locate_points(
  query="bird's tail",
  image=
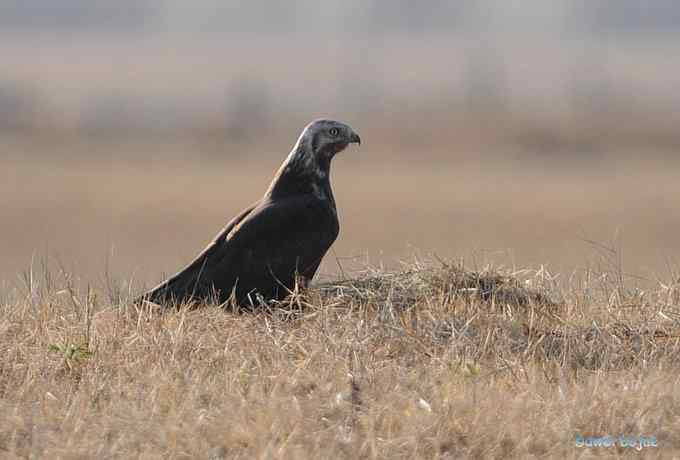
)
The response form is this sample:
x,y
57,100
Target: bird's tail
x,y
181,289
160,295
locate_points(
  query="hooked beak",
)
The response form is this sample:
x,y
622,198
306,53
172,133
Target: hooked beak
x,y
354,138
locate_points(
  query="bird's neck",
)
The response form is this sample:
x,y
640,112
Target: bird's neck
x,y
302,173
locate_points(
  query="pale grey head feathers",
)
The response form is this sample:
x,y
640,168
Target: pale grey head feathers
x,y
319,142
327,137
307,167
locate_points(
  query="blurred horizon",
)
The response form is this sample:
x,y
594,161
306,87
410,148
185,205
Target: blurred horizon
x,y
260,17
545,71
509,127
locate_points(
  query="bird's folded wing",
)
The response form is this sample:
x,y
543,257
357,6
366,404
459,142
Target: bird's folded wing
x,y
271,240
277,238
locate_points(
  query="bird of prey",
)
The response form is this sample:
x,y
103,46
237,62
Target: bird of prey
x,y
278,242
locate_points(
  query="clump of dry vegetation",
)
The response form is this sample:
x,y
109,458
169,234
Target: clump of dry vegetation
x,y
435,361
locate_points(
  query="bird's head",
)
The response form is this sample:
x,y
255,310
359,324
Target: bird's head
x,y
325,138
308,164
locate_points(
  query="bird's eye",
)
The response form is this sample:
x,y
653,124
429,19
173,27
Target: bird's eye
x,y
334,132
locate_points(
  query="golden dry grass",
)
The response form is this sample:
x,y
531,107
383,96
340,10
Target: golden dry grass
x,y
432,361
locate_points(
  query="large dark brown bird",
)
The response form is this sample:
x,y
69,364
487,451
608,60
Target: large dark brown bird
x,y
278,242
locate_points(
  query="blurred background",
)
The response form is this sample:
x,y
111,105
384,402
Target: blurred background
x,y
535,133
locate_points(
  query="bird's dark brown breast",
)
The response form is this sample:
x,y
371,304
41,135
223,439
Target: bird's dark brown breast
x,y
300,242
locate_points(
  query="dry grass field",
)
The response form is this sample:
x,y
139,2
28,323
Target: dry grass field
x,y
431,361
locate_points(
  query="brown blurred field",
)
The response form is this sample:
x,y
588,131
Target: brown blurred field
x,y
142,209
129,154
